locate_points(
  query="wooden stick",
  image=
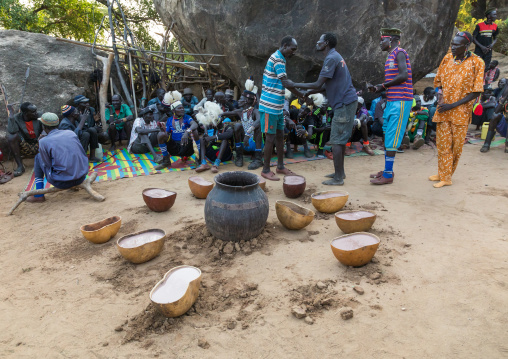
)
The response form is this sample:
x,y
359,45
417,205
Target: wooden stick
x,y
103,92
86,185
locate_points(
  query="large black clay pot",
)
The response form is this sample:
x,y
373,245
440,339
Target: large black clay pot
x,y
236,208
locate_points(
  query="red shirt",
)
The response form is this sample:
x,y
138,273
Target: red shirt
x,y
30,128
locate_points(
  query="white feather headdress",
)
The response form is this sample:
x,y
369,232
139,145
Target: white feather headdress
x,y
287,94
209,114
318,99
249,86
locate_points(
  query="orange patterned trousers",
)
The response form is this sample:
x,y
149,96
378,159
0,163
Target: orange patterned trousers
x,y
449,141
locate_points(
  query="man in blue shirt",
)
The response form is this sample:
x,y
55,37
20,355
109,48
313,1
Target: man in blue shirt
x,y
336,81
175,140
189,101
271,105
61,158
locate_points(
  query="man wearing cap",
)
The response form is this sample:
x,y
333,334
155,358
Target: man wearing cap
x,y
176,141
459,80
73,121
83,105
119,118
399,94
220,99
208,97
485,36
23,134
144,134
61,158
189,101
230,98
335,80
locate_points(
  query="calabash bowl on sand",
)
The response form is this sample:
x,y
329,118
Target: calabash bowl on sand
x,y
356,249
102,231
175,294
293,186
141,246
329,201
262,183
158,199
292,215
355,221
200,187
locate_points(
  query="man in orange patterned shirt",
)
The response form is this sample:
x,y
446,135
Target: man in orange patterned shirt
x,y
460,80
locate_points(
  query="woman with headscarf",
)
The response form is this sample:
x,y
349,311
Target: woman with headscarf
x,y
460,81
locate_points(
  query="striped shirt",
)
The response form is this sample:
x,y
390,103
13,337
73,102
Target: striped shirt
x,y
403,91
272,93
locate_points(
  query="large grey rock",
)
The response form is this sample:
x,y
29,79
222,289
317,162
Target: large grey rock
x,y
247,32
58,72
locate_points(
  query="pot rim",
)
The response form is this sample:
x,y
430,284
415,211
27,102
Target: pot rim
x,y
140,232
150,188
216,179
101,228
351,234
336,215
344,194
168,273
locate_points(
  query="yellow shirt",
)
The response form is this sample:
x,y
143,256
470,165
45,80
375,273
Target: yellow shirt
x,y
457,81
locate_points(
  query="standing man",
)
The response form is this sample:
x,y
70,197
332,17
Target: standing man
x,y
271,105
484,36
399,94
335,80
459,80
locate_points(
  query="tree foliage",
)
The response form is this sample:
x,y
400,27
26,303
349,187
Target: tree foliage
x,y
79,19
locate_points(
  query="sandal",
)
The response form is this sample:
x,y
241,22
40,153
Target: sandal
x,y
18,173
270,176
6,177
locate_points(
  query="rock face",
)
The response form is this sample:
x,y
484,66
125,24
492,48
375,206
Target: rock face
x,y
58,72
247,32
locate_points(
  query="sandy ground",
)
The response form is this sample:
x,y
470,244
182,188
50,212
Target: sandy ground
x,y
437,287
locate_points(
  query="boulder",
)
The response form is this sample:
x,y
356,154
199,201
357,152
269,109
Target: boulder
x,y
247,32
58,72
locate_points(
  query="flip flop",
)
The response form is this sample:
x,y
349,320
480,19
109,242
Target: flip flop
x,y
285,171
270,176
6,177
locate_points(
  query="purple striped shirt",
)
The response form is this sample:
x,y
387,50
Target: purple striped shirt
x,y
403,91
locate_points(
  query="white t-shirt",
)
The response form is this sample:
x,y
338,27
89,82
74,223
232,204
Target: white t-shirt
x,y
139,122
428,103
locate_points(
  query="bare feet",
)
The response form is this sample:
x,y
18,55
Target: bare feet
x,y
442,184
434,178
334,182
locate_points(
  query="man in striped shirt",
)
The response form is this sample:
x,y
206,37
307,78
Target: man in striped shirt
x,y
271,105
399,93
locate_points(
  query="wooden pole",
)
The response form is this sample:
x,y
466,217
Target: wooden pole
x,y
132,85
103,92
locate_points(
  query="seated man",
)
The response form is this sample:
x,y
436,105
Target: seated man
x,y
360,129
296,104
417,131
216,145
230,99
492,73
377,125
220,98
315,129
119,118
208,97
24,131
497,123
75,122
159,96
485,112
61,158
189,101
144,134
175,141
93,120
500,87
248,136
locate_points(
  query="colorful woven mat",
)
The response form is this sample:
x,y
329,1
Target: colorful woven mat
x,y
123,164
497,141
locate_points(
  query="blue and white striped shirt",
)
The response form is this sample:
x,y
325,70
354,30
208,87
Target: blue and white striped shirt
x,y
272,93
